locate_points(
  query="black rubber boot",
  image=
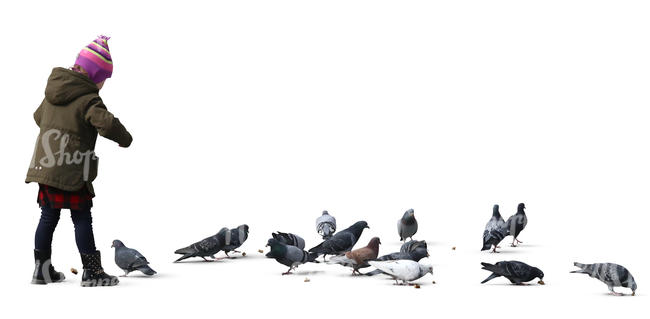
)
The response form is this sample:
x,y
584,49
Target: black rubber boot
x,y
94,274
44,272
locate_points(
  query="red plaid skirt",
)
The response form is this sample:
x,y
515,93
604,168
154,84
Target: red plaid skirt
x,y
57,198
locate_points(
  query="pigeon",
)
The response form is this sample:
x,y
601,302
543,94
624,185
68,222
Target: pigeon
x,y
326,225
516,223
412,250
129,259
206,247
612,275
290,256
517,272
342,241
235,238
404,270
358,258
495,231
289,239
407,226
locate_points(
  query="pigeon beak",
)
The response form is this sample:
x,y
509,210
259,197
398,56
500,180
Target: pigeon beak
x,y
112,245
428,255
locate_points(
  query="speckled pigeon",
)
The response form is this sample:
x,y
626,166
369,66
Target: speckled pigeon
x,y
206,247
495,231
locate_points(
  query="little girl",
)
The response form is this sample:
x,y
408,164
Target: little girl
x,y
64,163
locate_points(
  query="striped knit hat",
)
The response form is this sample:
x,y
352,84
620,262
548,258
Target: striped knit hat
x,y
96,59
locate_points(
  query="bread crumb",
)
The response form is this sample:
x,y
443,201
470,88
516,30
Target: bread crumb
x,y
260,251
417,286
453,248
243,254
307,280
433,282
74,271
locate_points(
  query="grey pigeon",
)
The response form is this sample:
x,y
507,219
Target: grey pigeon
x,y
516,223
326,225
129,259
342,241
612,275
235,238
206,247
290,256
412,250
407,226
289,239
404,270
516,271
495,231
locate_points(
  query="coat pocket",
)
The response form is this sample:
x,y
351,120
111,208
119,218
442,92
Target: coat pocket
x,y
90,174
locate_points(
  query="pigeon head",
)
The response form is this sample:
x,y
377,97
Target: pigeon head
x,y
633,287
278,249
419,253
243,227
409,217
412,245
117,244
426,269
360,225
539,274
520,208
325,212
374,243
495,210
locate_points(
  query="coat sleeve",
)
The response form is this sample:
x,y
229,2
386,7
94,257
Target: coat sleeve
x,y
107,124
38,114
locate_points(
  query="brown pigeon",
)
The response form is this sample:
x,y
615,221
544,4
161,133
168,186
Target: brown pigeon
x,y
358,258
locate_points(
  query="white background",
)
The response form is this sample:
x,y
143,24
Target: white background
x,y
268,112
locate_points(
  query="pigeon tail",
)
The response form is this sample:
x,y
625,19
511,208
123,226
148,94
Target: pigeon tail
x,y
312,257
374,272
186,250
490,267
492,276
581,270
147,270
318,249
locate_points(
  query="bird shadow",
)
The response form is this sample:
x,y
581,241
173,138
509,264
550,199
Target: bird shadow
x,y
201,261
307,272
140,276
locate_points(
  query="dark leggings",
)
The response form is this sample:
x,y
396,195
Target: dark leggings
x,y
83,229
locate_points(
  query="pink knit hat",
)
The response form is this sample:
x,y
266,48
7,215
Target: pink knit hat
x,y
96,59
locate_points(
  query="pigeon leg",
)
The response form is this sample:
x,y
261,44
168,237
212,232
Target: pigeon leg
x,y
288,271
125,273
204,258
611,289
519,241
513,242
494,250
